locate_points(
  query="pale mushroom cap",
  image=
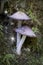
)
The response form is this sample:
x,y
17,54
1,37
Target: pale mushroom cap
x,y
25,30
20,16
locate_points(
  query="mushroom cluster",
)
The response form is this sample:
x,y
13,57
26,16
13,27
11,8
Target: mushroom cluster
x,y
21,30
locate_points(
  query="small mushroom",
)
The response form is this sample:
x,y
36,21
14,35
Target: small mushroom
x,y
19,16
25,31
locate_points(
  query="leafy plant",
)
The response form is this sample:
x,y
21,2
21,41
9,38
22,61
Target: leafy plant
x,y
33,17
7,58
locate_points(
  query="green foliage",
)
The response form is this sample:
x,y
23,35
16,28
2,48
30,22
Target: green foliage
x,y
33,17
35,29
26,59
1,33
7,58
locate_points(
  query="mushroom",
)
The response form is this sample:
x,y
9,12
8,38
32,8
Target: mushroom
x,y
19,16
25,31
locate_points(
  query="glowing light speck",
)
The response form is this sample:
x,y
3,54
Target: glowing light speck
x,y
12,38
5,12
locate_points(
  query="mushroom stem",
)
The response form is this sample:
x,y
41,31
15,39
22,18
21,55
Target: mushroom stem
x,y
19,46
18,35
19,24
